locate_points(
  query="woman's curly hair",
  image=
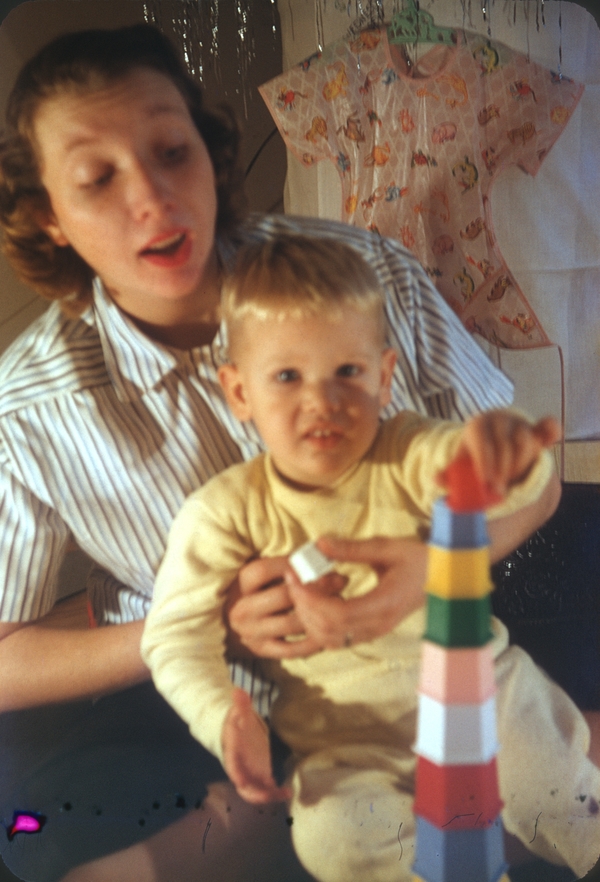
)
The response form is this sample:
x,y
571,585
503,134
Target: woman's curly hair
x,y
84,60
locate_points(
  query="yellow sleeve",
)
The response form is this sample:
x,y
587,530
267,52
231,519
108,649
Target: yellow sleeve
x,y
184,636
421,448
415,450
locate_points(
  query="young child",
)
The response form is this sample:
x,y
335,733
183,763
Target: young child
x,y
309,364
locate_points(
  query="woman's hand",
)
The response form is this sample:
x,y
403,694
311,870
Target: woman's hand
x,y
260,613
263,609
332,622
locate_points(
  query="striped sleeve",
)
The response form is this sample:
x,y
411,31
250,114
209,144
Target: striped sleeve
x,y
112,601
34,540
440,366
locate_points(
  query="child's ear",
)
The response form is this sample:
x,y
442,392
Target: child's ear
x,y
388,363
232,384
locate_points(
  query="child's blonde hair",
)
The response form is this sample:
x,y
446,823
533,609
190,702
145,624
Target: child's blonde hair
x,y
294,276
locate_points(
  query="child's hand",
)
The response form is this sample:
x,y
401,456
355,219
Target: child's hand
x,y
503,447
247,755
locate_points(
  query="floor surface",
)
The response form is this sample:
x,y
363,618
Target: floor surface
x,y
6,875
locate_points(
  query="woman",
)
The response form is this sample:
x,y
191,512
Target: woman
x,y
120,201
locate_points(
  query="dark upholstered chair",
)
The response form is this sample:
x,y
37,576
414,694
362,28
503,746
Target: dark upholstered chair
x,y
548,595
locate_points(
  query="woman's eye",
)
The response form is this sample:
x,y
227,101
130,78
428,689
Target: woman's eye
x,y
348,370
102,179
97,180
175,154
287,376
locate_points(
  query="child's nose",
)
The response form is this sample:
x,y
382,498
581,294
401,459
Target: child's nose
x,y
322,397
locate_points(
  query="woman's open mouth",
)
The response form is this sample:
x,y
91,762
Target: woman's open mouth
x,y
168,251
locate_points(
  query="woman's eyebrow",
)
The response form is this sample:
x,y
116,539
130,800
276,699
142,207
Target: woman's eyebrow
x,y
157,108
152,111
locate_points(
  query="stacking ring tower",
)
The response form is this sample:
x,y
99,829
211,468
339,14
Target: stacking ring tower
x,y
459,834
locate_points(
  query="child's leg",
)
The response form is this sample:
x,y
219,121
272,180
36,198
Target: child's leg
x,y
592,718
352,817
550,787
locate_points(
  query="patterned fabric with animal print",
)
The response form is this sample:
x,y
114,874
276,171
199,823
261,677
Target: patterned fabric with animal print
x,y
418,144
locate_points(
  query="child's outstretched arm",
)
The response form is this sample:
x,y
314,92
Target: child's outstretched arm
x,y
504,446
247,754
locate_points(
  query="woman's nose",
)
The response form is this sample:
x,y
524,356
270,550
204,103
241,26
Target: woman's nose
x,y
148,193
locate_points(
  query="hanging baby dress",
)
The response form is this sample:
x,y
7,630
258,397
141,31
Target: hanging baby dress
x,y
418,146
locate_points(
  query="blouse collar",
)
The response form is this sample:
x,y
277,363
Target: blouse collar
x,y
135,362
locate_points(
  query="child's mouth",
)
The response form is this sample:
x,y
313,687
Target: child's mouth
x,y
323,438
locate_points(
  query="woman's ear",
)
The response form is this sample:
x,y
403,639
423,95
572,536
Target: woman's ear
x,y
232,383
48,223
388,363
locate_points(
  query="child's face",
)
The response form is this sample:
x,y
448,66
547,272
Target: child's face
x,y
314,388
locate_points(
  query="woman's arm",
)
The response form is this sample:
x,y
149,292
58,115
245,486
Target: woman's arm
x,y
59,658
508,533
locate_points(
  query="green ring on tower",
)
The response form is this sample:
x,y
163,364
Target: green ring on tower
x,y
458,622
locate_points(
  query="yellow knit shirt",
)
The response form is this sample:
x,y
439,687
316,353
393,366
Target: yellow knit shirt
x,y
357,694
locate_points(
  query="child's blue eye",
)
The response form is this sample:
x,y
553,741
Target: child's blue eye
x,y
348,370
287,376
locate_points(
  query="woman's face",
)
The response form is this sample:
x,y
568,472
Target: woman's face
x,y
132,190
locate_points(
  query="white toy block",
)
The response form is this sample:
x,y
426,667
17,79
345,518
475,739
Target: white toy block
x,y
309,563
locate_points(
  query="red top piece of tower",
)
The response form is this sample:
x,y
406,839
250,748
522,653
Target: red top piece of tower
x,y
465,491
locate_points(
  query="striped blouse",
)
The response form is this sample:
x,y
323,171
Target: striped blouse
x,y
104,432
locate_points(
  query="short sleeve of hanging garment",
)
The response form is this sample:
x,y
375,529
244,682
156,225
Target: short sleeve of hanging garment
x,y
418,146
342,97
